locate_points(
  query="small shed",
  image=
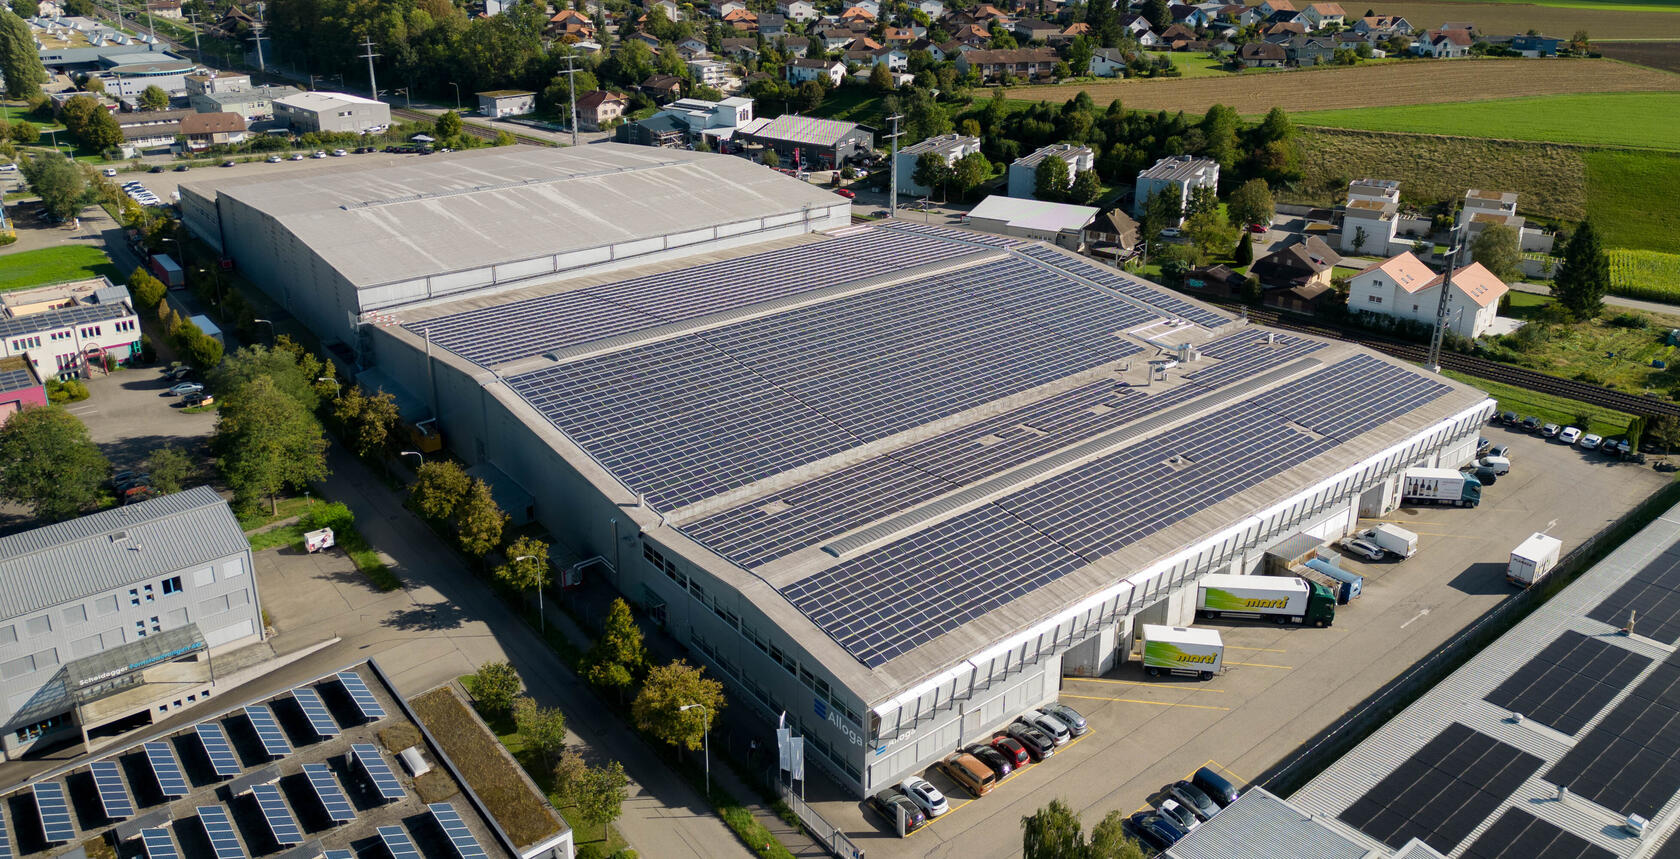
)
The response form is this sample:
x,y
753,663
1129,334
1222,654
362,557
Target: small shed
x,y
498,103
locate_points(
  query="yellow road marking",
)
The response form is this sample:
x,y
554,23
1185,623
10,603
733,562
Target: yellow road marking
x,y
1261,649
1139,701
1147,685
1260,665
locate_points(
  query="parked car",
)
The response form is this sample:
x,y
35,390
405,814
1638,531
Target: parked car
x,y
202,398
1038,744
1012,749
297,156
156,168
992,758
1153,830
1067,716
1619,444
1497,464
1484,476
1590,441
1482,445
1506,418
319,153
1257,229
1499,450
178,372
125,477
136,493
1050,725
1216,786
1569,435
889,801
182,168
1194,798
1364,548
1178,814
1170,233
1530,424
339,153
185,388
847,193
925,796
1549,431
879,213
275,159
108,172
228,163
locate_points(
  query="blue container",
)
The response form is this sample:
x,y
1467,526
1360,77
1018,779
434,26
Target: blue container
x,y
1355,583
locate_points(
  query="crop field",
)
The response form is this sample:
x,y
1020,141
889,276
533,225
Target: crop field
x,y
1651,275
1400,83
1657,55
1650,120
1638,19
1632,198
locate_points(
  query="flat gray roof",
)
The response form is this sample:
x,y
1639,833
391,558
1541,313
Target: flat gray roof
x,y
1065,151
1177,168
1261,826
466,210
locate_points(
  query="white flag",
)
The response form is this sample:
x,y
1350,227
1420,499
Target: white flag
x,y
784,742
797,753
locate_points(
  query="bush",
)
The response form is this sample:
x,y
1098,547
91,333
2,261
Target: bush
x,y
148,352
591,851
1630,320
333,515
71,391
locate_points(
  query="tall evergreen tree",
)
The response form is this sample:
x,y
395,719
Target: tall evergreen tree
x,y
20,65
1583,279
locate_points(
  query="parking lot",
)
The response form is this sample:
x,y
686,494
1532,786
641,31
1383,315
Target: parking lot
x,y
1282,684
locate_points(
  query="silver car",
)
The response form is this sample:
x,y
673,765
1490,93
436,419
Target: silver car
x,y
1049,724
1067,716
1365,549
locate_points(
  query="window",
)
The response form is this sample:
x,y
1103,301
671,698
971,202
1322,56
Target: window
x,y
156,627
133,596
75,614
40,625
139,629
8,635
150,597
106,605
17,668
232,569
206,576
1374,299
34,731
172,585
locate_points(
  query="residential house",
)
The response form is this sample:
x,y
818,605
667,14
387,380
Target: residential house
x,y
234,23
672,11
1232,13
864,44
572,26
721,8
687,120
204,130
1535,46
598,109
1379,27
1112,235
1023,171
662,88
898,36
1069,33
646,38
695,47
59,329
1311,299
1177,175
934,9
1018,63
798,10
771,25
1263,55
1216,282
1370,216
934,50
870,6
799,71
1466,26
1193,17
1177,36
741,48
948,147
986,12
1443,44
859,14
1034,30
498,103
1307,262
1108,63
743,20
1484,208
716,74
1307,51
1404,288
1269,8
1284,30
1322,15
149,131
1134,24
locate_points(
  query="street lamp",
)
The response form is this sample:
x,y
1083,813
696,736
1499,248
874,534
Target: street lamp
x,y
705,742
416,454
457,95
408,101
542,622
270,324
338,390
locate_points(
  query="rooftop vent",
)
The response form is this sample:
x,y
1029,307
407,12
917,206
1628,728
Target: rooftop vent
x,y
119,536
1634,825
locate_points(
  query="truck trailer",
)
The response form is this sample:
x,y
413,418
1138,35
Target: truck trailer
x,y
1393,539
1280,599
1182,650
1532,561
1345,585
1439,486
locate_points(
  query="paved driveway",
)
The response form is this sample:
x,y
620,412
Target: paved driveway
x,y
130,414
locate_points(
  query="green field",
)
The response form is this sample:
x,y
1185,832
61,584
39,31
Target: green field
x,y
1549,409
1651,275
54,265
1649,120
1634,199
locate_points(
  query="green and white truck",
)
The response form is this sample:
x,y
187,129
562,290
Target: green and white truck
x,y
1280,599
1182,650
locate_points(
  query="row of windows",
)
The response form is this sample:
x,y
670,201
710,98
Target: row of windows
x,y
42,624
171,585
19,343
34,341
92,330
31,732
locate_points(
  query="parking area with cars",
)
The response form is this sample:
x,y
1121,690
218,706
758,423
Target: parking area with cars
x,y
1281,684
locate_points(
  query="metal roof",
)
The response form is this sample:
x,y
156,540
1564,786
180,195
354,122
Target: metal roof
x,y
1033,214
64,317
115,548
1178,168
801,129
1065,151
1261,826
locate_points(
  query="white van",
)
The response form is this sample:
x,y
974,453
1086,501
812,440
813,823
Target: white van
x,y
1500,465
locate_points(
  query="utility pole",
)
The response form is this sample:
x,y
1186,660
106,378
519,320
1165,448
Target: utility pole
x,y
571,89
257,36
151,28
373,86
892,192
197,51
1434,363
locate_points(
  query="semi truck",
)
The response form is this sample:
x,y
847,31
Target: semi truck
x,y
1393,539
1280,599
1182,650
1439,486
1532,561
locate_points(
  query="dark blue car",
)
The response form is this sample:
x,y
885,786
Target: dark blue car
x,y
1154,830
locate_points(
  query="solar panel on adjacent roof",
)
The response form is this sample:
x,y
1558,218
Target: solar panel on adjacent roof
x,y
339,854
384,780
362,695
315,710
113,791
219,828
268,730
1626,762
1248,352
158,843
1569,681
56,827
397,841
1132,287
216,745
1352,397
1518,834
170,779
339,809
1654,592
466,844
280,820
5,837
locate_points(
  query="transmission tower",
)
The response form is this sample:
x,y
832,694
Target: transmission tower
x,y
373,86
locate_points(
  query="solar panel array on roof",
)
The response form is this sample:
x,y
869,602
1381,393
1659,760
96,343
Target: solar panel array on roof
x,y
378,771
218,827
1248,352
5,837
520,329
1654,592
1443,792
113,791
215,740
339,854
455,829
64,317
970,236
369,706
1352,397
315,710
1518,834
54,810
337,805
281,823
397,841
1626,762
1568,681
171,781
1127,285
158,844
268,730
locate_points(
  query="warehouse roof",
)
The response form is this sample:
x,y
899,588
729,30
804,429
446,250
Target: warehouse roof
x,y
1261,826
1033,214
460,211
993,445
69,560
799,129
1563,699
319,101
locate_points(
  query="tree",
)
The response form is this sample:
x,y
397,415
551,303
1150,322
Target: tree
x,y
527,564
932,172
1203,199
147,290
448,125
1052,832
61,184
769,158
1050,179
201,350
266,442
171,469
439,488
809,94
25,132
1244,254
569,774
495,685
600,794
367,421
20,65
881,79
1663,430
1499,250
969,171
1583,279
478,521
26,9
292,370
101,131
154,98
93,84
658,708
1580,43
1086,188
542,728
618,655
1209,233
1251,203
1360,239
1110,841
48,462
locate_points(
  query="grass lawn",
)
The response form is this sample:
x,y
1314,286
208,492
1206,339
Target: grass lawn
x,y
54,265
1552,410
1194,65
1630,199
1608,119
851,104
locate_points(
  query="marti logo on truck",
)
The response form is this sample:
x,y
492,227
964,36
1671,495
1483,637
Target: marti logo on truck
x,y
1254,603
1196,657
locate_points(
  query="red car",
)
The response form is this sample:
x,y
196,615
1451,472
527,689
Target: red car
x,y
1257,228
846,192
1011,750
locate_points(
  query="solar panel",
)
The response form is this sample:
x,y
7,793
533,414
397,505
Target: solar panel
x,y
339,854
1654,592
466,844
5,837
1352,397
1248,352
1626,762
384,780
113,791
397,841
268,730
158,843
56,827
362,695
1134,288
219,828
315,710
280,820
339,809
1518,834
216,745
1569,681
170,779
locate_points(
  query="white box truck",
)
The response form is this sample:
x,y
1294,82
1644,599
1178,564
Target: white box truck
x,y
1439,486
1394,539
1281,599
1183,650
1532,561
